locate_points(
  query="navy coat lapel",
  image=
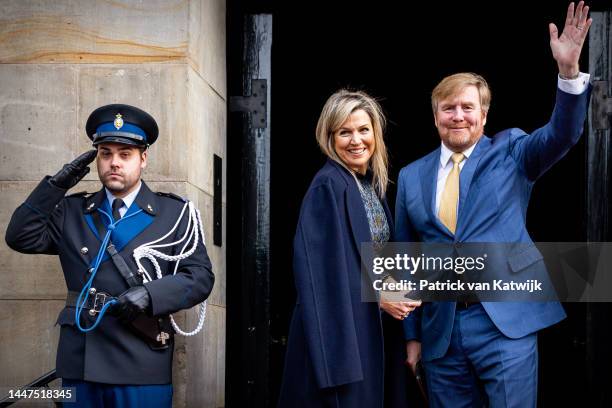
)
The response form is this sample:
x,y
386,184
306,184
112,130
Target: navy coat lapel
x,y
356,211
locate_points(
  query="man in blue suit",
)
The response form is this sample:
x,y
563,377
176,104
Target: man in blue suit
x,y
476,189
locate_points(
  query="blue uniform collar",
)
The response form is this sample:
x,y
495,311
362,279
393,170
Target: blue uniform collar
x,y
127,200
146,199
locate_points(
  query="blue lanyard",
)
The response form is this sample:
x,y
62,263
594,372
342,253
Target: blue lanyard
x,y
84,295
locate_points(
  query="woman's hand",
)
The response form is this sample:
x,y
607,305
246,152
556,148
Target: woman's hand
x,y
399,310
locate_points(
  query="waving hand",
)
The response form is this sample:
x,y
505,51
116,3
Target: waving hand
x,y
566,47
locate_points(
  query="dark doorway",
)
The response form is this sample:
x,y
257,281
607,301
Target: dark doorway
x,y
398,51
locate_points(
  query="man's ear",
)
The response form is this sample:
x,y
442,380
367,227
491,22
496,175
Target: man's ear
x,y
484,118
143,158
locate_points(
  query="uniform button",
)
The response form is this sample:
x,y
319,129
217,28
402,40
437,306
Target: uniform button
x,y
84,250
92,291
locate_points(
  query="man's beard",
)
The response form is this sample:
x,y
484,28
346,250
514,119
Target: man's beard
x,y
460,142
114,185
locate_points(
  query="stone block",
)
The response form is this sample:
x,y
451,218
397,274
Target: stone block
x,y
98,31
25,276
206,133
204,202
160,90
29,339
207,42
206,361
37,116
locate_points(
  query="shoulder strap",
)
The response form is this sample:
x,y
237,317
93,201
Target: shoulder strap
x,y
124,269
172,195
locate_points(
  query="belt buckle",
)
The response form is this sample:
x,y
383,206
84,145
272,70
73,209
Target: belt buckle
x,y
99,302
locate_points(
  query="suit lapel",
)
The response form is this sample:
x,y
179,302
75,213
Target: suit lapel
x,y
467,175
429,180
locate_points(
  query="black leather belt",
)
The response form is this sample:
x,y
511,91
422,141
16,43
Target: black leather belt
x,y
465,305
95,301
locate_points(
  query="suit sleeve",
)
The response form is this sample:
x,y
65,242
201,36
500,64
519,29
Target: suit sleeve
x,y
405,233
191,285
536,153
36,225
322,283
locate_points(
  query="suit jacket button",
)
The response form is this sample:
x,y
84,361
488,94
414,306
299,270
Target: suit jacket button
x,y
84,250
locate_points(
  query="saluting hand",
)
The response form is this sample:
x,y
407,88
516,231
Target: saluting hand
x,y
566,48
71,173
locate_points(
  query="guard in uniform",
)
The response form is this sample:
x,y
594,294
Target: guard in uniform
x,y
123,358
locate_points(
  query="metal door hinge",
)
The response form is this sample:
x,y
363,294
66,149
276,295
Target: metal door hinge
x,y
256,104
602,105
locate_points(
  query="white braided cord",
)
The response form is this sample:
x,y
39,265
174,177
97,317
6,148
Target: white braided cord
x,y
149,252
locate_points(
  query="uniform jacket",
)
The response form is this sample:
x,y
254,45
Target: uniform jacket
x,y
51,223
495,187
335,354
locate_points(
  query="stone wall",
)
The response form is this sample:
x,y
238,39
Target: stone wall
x,y
61,59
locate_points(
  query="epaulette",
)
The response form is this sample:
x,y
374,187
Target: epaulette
x,y
172,195
80,194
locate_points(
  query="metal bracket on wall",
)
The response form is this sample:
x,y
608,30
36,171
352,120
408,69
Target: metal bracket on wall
x,y
256,104
602,105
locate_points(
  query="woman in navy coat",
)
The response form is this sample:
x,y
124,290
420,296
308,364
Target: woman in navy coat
x,y
337,355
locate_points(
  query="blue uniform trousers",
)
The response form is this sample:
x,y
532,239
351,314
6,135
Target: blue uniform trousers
x,y
483,367
98,395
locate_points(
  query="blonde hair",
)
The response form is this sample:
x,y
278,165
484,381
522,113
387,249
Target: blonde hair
x,y
453,84
335,112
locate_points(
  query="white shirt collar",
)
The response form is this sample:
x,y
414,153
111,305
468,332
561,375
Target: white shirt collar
x,y
446,153
127,200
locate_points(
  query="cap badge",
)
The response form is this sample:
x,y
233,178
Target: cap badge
x,y
118,121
